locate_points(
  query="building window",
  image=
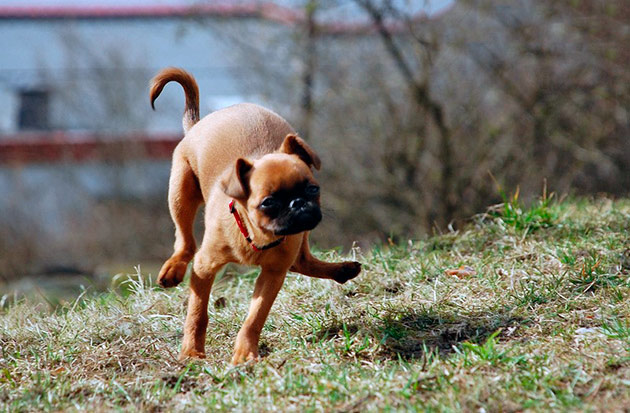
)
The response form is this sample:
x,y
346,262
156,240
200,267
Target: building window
x,y
34,110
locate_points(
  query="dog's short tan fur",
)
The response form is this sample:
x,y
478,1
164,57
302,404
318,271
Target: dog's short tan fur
x,y
245,153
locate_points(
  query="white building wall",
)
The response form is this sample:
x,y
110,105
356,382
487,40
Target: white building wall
x,y
85,57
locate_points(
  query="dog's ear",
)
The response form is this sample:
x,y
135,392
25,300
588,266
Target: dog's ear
x,y
235,183
295,145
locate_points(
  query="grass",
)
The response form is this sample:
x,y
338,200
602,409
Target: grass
x,y
542,324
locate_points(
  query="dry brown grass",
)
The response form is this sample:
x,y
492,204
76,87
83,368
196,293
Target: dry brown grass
x,y
542,325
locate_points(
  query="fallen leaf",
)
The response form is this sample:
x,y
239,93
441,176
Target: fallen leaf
x,y
461,272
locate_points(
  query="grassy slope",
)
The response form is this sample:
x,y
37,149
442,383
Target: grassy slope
x,y
543,324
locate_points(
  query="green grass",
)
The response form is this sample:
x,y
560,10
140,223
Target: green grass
x,y
541,325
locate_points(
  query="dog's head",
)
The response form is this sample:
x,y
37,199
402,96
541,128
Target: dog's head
x,y
278,189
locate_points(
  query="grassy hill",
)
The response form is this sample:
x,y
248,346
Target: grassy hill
x,y
538,320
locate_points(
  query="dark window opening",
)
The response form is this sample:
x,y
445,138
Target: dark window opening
x,y
34,110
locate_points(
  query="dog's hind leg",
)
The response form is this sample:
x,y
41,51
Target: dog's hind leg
x,y
184,198
196,325
307,264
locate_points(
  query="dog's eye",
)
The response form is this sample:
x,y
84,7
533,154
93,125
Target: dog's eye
x,y
312,190
270,203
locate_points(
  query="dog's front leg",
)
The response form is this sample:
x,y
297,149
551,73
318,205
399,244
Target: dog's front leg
x,y
201,279
266,289
307,264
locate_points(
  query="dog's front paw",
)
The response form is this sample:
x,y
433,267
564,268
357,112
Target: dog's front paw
x,y
191,354
348,271
172,273
246,349
243,356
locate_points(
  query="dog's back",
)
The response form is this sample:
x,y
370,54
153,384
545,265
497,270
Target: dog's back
x,y
243,130
213,143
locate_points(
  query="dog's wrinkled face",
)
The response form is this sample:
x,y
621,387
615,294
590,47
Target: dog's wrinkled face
x,y
284,195
279,189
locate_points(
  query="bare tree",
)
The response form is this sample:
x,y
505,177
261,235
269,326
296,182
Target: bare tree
x,y
411,113
557,85
418,81
308,74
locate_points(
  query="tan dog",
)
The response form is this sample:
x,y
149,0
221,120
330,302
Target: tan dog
x,y
254,175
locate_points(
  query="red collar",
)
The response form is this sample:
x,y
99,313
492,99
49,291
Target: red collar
x,y
241,226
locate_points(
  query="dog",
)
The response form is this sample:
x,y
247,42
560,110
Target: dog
x,y
254,174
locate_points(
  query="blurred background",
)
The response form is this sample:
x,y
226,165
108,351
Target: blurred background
x,y
419,109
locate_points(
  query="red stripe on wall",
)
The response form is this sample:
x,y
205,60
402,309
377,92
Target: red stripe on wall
x,y
59,147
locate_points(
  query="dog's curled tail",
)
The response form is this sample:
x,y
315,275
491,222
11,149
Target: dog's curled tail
x,y
188,82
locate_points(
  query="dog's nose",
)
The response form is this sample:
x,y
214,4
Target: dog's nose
x,y
297,203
